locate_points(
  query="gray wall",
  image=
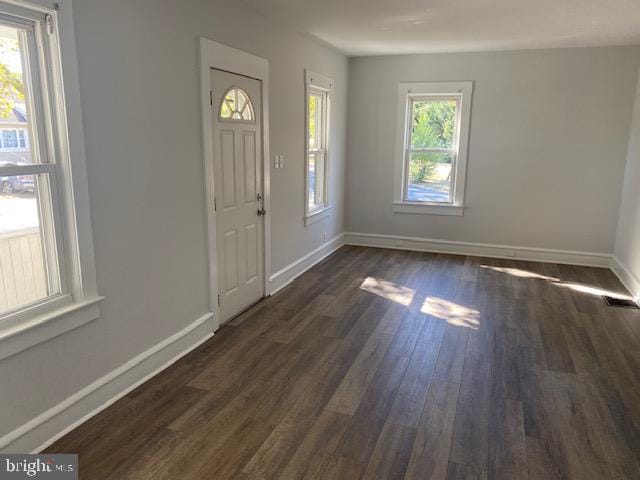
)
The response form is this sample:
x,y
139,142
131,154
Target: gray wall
x,y
139,74
547,147
628,240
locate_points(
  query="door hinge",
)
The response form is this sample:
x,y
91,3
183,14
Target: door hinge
x,y
218,299
211,97
215,204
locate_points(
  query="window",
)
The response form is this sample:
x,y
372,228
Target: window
x,y
46,264
12,139
318,101
236,106
433,132
9,139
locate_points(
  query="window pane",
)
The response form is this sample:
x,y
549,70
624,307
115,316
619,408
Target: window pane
x,y
312,179
430,177
14,99
316,179
433,124
319,179
314,107
23,266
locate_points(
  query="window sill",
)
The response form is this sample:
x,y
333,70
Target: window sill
x,y
317,216
22,335
428,208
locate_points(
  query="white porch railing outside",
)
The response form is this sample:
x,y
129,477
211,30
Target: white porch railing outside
x,y
23,278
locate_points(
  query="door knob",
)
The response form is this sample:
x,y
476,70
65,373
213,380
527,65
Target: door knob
x,y
261,211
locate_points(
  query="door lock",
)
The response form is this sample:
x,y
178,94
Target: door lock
x,y
261,211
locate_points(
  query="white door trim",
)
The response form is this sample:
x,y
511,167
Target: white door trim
x,y
222,57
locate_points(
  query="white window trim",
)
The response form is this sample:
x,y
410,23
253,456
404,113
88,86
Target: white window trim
x,y
405,92
317,81
78,303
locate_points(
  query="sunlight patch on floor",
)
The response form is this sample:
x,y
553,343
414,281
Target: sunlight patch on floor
x,y
454,314
389,290
595,291
516,272
576,287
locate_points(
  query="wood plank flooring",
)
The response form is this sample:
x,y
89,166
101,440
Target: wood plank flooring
x,y
384,364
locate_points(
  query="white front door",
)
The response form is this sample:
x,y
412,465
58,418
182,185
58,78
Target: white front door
x,y
237,158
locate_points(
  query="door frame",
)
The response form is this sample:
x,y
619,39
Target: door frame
x,y
223,57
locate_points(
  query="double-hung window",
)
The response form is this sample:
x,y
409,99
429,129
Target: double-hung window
x,y
318,101
433,131
46,259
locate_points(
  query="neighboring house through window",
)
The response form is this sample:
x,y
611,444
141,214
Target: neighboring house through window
x,y
14,143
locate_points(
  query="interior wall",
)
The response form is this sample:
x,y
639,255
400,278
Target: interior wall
x,y
627,249
547,146
139,76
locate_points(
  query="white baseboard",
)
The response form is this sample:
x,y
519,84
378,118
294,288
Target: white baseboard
x,y
288,274
46,428
628,279
478,249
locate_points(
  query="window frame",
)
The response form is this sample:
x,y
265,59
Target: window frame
x,y
321,85
57,121
408,93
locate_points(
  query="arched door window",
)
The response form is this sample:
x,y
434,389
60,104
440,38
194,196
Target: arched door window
x,y
236,106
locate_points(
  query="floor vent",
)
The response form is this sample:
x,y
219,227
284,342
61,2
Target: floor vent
x,y
620,302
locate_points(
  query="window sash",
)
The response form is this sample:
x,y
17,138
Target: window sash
x,y
35,45
319,150
408,150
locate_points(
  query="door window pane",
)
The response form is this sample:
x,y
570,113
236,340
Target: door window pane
x,y
236,105
430,176
433,124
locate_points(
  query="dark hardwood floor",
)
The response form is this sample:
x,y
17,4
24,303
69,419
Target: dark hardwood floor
x,y
390,364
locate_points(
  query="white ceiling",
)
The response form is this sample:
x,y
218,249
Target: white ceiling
x,y
380,27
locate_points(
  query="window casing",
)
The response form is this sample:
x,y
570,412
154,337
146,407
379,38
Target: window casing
x,y
47,271
432,144
318,90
